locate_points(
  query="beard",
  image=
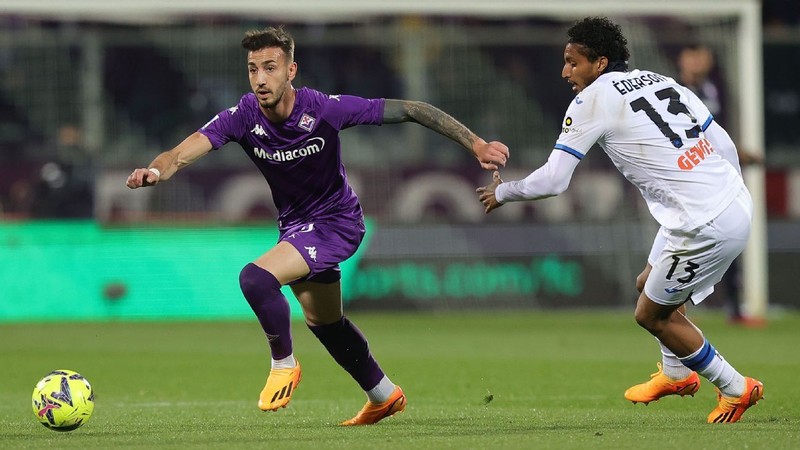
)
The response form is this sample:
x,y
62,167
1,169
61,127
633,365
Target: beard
x,y
268,104
271,103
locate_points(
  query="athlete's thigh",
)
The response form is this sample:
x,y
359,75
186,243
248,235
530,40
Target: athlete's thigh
x,y
687,266
652,311
691,263
284,262
659,242
321,302
641,279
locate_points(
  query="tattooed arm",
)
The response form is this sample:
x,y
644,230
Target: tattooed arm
x,y
491,155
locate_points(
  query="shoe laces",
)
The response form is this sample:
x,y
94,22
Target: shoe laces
x,y
653,375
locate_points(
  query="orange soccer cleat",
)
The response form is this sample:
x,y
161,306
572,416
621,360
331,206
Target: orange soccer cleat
x,y
280,386
730,409
374,412
660,386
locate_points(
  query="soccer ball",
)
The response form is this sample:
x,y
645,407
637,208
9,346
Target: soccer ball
x,y
63,400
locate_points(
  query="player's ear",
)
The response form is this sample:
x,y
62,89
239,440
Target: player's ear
x,y
292,71
602,63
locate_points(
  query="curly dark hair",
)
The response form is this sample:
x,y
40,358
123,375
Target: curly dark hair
x,y
269,37
600,37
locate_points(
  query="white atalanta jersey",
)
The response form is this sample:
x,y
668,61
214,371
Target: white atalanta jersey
x,y
652,128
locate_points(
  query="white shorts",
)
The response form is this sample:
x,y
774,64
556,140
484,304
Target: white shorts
x,y
687,265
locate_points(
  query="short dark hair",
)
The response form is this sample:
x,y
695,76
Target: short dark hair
x,y
600,37
269,37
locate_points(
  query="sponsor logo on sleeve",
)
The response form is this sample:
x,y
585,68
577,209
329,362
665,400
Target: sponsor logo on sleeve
x,y
568,128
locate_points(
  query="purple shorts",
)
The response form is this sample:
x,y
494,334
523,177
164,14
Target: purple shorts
x,y
324,245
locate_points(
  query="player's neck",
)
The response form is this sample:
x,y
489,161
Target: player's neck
x,y
280,112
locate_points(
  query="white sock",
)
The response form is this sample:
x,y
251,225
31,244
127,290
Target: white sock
x,y
382,391
719,372
284,363
672,367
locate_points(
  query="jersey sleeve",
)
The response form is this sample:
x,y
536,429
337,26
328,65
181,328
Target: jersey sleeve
x,y
584,124
345,111
228,125
547,181
698,108
723,144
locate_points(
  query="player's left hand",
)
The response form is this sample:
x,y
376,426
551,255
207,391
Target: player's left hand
x,y
491,155
486,193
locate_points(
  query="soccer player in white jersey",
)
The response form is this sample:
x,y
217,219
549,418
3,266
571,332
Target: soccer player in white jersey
x,y
663,140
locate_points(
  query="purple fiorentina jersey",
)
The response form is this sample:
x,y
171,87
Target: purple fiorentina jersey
x,y
301,157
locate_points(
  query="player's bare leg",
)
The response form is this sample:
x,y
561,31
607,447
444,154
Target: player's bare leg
x,y
673,329
672,377
322,306
669,326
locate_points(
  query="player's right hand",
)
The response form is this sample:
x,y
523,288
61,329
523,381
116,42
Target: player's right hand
x,y
491,155
141,177
486,193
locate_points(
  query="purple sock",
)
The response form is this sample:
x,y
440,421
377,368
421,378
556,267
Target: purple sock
x,y
263,292
350,349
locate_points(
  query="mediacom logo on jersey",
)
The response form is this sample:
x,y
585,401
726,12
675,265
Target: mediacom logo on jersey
x,y
312,146
695,155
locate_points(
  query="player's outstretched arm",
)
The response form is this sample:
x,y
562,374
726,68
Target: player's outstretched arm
x,y
547,181
491,155
166,164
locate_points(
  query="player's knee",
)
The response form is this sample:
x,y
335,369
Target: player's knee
x,y
649,322
253,280
641,318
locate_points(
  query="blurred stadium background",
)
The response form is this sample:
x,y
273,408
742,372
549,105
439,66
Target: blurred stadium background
x,y
90,90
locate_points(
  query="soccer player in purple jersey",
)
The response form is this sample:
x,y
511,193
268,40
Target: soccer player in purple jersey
x,y
292,136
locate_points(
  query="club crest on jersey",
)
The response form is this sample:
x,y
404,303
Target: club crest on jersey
x,y
306,122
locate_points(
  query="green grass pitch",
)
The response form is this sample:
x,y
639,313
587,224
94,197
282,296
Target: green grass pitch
x,y
555,380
